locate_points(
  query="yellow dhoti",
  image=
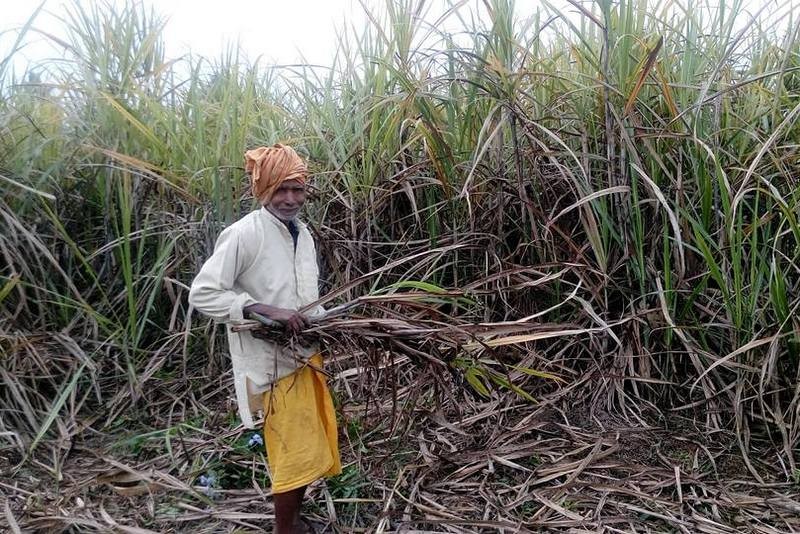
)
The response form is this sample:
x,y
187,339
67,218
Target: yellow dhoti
x,y
300,429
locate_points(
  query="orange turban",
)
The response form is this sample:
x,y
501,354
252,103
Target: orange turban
x,y
270,166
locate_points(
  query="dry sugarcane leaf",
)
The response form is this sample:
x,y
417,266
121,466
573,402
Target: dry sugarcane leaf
x,y
129,483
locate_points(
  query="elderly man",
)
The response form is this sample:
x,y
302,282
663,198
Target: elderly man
x,y
266,263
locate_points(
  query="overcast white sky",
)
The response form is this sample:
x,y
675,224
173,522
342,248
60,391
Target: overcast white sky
x,y
276,29
280,30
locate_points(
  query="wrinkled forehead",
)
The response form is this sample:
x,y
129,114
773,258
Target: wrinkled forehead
x,y
291,185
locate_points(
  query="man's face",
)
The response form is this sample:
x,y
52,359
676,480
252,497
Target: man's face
x,y
287,200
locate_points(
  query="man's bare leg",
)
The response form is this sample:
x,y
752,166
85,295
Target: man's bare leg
x,y
287,511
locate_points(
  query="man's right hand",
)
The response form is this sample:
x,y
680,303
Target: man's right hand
x,y
293,320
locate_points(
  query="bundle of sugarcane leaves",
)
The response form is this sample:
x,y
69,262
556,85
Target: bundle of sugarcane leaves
x,y
427,324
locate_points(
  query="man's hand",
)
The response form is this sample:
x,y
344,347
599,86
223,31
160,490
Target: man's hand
x,y
293,320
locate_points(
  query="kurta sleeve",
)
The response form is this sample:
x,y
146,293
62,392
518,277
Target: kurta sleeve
x,y
212,292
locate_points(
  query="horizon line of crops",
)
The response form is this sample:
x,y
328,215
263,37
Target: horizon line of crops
x,y
644,157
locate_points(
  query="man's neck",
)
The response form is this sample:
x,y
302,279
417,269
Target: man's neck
x,y
286,222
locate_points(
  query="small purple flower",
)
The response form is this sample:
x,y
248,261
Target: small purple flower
x,y
255,441
207,481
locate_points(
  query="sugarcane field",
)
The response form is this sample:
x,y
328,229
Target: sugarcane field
x,y
466,266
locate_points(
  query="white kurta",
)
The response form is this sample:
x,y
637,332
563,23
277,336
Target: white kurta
x,y
255,261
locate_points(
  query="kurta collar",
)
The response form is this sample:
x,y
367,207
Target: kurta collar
x,y
279,223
